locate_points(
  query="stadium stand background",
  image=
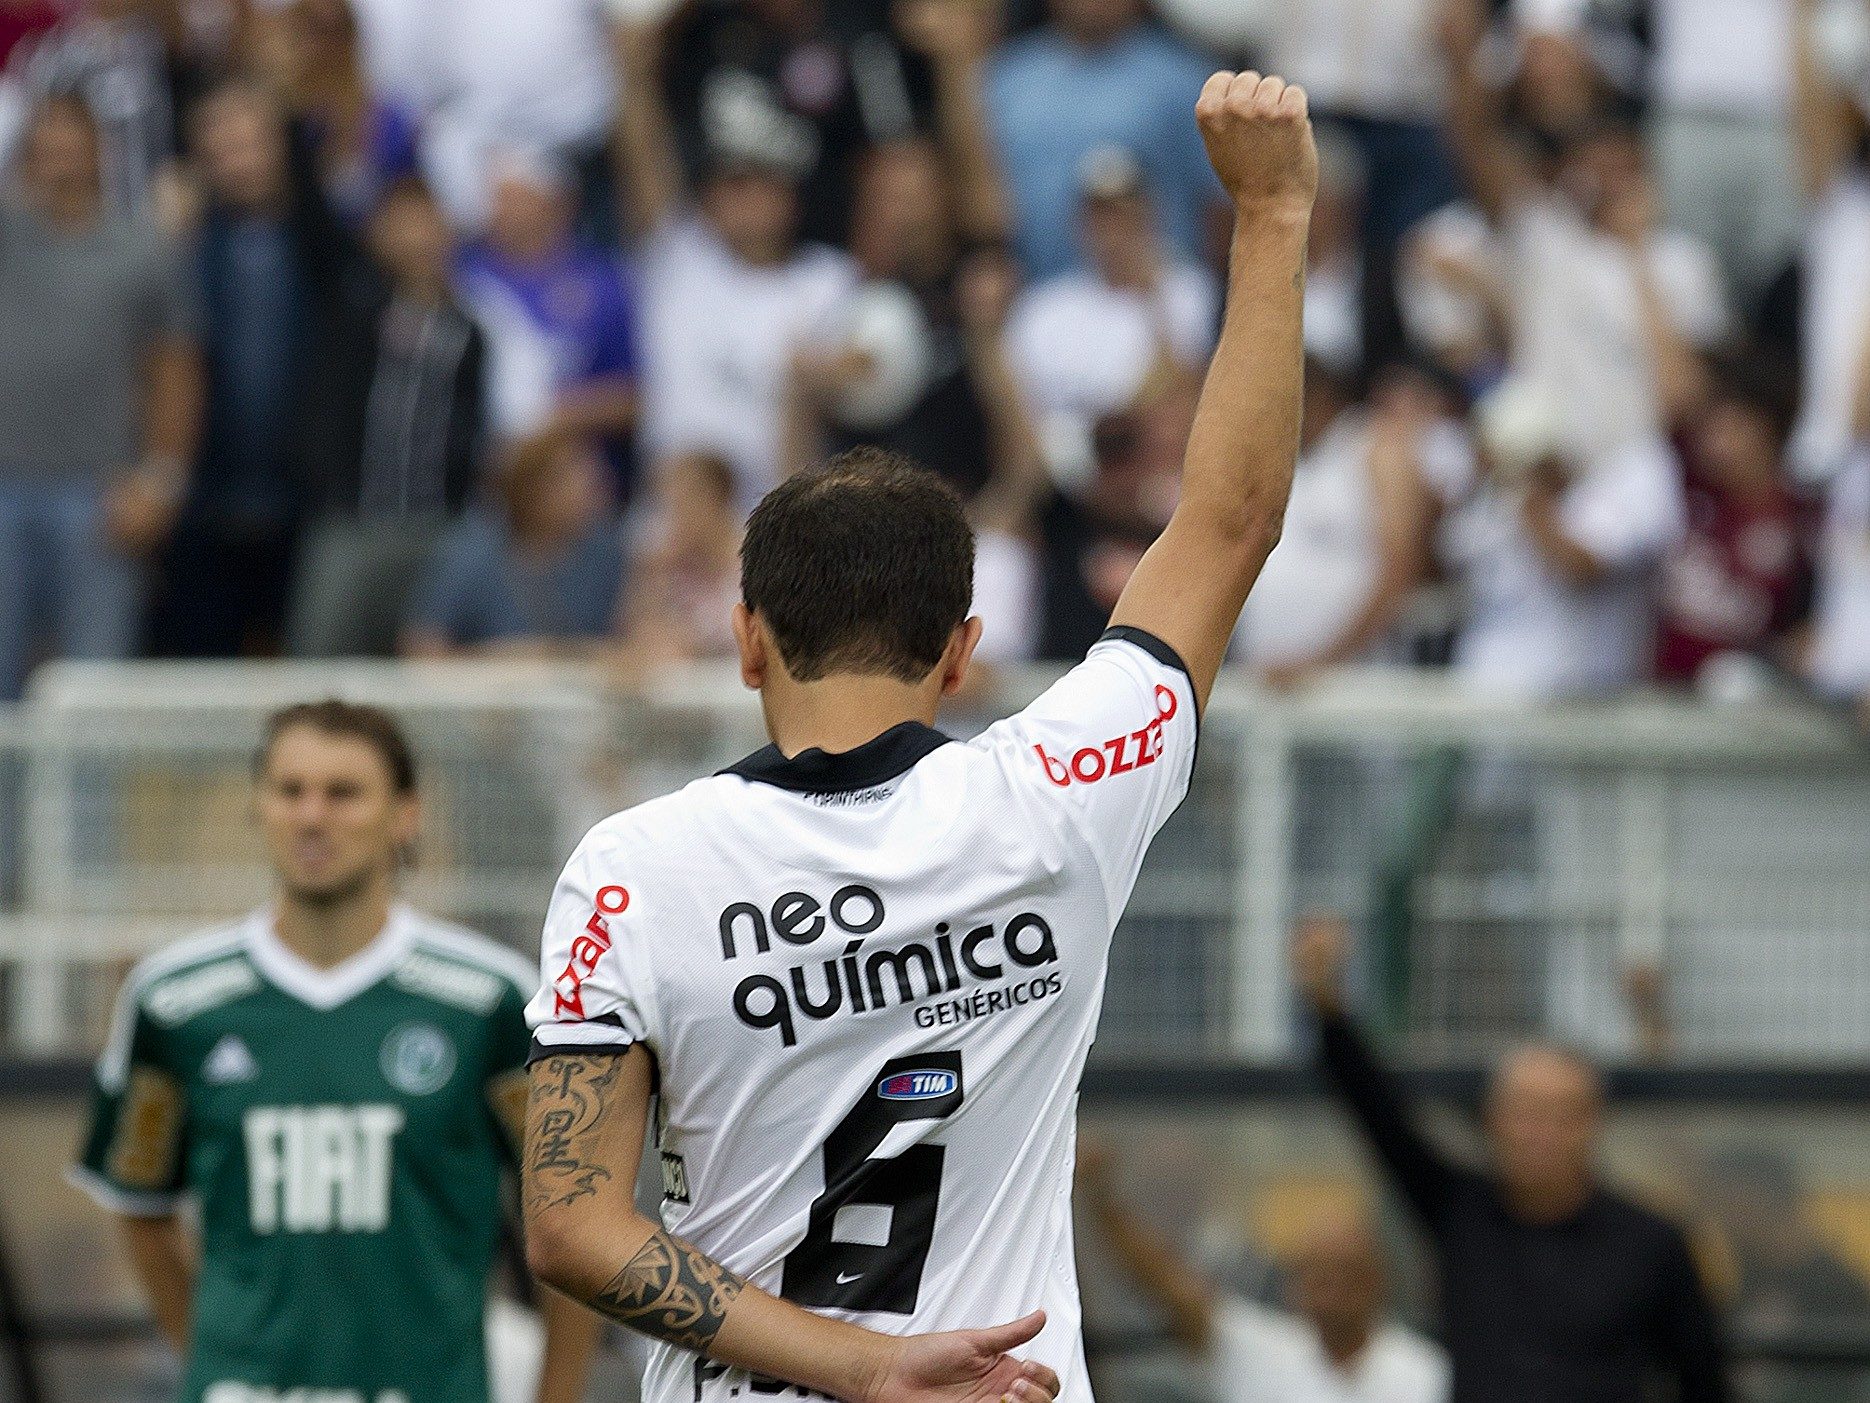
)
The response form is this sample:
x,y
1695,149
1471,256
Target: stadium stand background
x,y
462,400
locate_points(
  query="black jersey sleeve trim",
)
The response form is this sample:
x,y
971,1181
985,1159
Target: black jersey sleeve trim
x,y
540,1051
1157,649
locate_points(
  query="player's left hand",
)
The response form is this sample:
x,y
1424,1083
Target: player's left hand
x,y
967,1366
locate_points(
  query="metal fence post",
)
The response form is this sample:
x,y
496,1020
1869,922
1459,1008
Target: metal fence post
x,y
1261,1024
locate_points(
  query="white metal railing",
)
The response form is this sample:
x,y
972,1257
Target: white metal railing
x,y
1549,846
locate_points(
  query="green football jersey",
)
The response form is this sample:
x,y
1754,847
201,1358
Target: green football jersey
x,y
344,1133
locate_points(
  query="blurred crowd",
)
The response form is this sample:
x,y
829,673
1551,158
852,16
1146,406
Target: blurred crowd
x,y
364,327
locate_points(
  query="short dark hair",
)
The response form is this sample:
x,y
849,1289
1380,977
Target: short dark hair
x,y
1759,382
372,725
863,565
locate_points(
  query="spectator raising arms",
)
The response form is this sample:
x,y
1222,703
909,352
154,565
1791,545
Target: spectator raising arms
x,y
538,575
100,392
1553,1288
731,296
1084,343
1604,305
364,141
1331,1346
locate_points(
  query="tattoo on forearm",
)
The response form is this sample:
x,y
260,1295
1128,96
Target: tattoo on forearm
x,y
565,1103
673,1292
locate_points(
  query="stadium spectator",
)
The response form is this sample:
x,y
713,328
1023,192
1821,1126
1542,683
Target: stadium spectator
x,y
730,293
541,574
1355,540
835,70
114,55
685,571
1330,1345
1834,282
1737,579
363,141
560,319
270,257
1552,1286
393,436
1721,86
500,76
1556,566
99,400
1373,72
1085,342
928,212
1097,75
1605,305
1094,534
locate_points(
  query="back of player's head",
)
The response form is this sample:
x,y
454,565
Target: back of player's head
x,y
865,565
371,725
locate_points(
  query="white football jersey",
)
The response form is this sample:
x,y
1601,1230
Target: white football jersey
x,y
870,981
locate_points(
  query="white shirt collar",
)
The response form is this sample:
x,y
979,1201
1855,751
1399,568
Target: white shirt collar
x,y
327,988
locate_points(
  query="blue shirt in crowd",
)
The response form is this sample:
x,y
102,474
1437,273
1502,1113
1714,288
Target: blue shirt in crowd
x,y
1051,100
481,589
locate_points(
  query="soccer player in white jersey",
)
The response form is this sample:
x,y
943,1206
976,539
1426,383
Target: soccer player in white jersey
x,y
860,971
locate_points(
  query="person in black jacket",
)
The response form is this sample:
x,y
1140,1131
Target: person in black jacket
x,y
1553,1288
393,449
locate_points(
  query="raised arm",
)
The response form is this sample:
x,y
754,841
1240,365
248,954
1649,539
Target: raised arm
x,y
1184,1293
645,139
956,37
1821,113
584,1141
1492,167
1189,588
1419,1172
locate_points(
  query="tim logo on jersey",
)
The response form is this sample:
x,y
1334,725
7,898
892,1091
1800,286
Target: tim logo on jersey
x,y
1013,957
1117,756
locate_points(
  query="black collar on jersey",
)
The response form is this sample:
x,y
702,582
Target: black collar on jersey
x,y
815,771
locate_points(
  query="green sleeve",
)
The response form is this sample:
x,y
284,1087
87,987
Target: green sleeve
x,y
132,1159
508,1041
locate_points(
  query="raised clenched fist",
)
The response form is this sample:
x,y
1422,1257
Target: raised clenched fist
x,y
1259,139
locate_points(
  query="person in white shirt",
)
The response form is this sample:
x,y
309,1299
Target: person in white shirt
x,y
730,295
1355,537
1605,306
501,75
863,967
1332,1344
1083,343
1557,568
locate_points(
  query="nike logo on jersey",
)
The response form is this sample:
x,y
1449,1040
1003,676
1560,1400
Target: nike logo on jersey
x,y
845,1278
230,1061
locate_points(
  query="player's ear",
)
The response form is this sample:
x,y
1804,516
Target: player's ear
x,y
961,646
749,638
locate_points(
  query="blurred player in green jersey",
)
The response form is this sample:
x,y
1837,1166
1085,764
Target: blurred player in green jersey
x,y
339,1083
